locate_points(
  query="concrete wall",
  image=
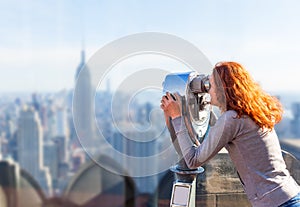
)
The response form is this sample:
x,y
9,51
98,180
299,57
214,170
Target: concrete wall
x,y
219,185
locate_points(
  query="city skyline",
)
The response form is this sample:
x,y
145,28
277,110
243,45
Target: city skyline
x,y
133,130
44,129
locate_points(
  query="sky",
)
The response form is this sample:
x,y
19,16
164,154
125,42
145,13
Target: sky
x,y
41,41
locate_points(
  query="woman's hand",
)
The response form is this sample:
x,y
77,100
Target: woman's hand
x,y
171,106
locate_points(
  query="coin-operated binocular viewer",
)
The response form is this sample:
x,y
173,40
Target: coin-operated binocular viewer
x,y
193,90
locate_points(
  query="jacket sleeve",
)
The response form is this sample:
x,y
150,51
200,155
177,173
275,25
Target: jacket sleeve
x,y
223,132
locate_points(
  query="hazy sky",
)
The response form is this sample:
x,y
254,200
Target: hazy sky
x,y
41,40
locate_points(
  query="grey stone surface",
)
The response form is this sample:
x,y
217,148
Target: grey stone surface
x,y
220,176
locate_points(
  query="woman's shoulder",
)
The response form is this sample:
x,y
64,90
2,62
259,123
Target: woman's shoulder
x,y
229,114
232,116
228,117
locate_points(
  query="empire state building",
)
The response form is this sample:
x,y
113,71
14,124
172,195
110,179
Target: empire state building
x,y
83,105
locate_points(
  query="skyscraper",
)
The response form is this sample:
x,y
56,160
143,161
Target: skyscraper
x,y
83,112
30,147
296,120
0,148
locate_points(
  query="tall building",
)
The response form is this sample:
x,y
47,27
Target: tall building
x,y
30,147
61,135
83,98
51,160
1,147
123,142
296,120
56,141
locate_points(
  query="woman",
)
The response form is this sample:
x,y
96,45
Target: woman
x,y
246,129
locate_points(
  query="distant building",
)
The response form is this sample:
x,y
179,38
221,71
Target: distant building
x,y
283,128
4,147
125,141
61,135
30,147
1,147
295,124
8,126
83,105
51,159
78,157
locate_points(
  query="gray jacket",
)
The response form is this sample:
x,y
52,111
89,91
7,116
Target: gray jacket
x,y
256,154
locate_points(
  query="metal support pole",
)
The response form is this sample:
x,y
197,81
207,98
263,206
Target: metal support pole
x,y
184,188
196,116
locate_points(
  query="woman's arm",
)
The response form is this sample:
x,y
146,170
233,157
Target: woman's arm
x,y
224,130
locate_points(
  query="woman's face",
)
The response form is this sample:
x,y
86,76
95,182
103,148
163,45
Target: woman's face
x,y
212,91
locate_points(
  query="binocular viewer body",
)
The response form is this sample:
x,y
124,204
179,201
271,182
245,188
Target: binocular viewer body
x,y
193,90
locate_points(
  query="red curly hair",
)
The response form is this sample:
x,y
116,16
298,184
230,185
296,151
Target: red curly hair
x,y
237,91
